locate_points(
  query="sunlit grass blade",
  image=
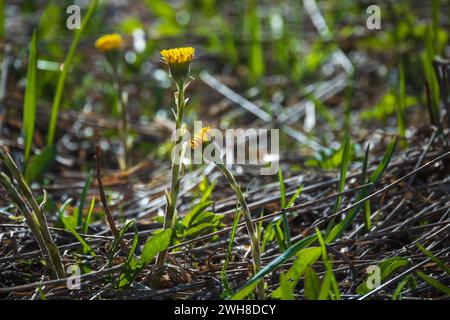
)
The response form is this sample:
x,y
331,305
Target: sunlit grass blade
x,y
29,106
398,291
87,222
274,264
367,210
227,290
253,27
86,186
374,178
287,231
387,268
434,258
65,71
345,162
305,258
295,196
434,283
329,287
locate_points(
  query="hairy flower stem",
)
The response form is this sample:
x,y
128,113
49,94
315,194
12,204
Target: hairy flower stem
x,y
256,251
172,196
34,215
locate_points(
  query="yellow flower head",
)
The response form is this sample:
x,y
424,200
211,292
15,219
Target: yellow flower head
x,y
178,55
201,137
109,42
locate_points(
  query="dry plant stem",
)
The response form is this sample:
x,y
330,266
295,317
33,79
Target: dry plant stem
x,y
108,214
39,216
256,251
170,215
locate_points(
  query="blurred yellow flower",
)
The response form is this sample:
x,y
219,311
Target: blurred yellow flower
x,y
200,137
109,42
178,55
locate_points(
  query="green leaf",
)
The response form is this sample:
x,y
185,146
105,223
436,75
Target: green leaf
x,y
207,193
69,226
155,244
434,283
40,163
387,269
312,284
196,230
286,291
306,257
189,219
29,106
248,287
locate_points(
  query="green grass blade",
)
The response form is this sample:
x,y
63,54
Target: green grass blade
x,y
305,258
367,210
374,177
253,27
29,106
434,283
63,75
86,187
87,222
287,231
329,287
312,284
345,162
282,188
248,287
223,274
434,258
295,196
387,269
399,289
86,247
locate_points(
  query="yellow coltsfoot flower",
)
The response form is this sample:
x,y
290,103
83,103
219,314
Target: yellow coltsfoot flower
x,y
201,137
109,42
179,60
178,55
